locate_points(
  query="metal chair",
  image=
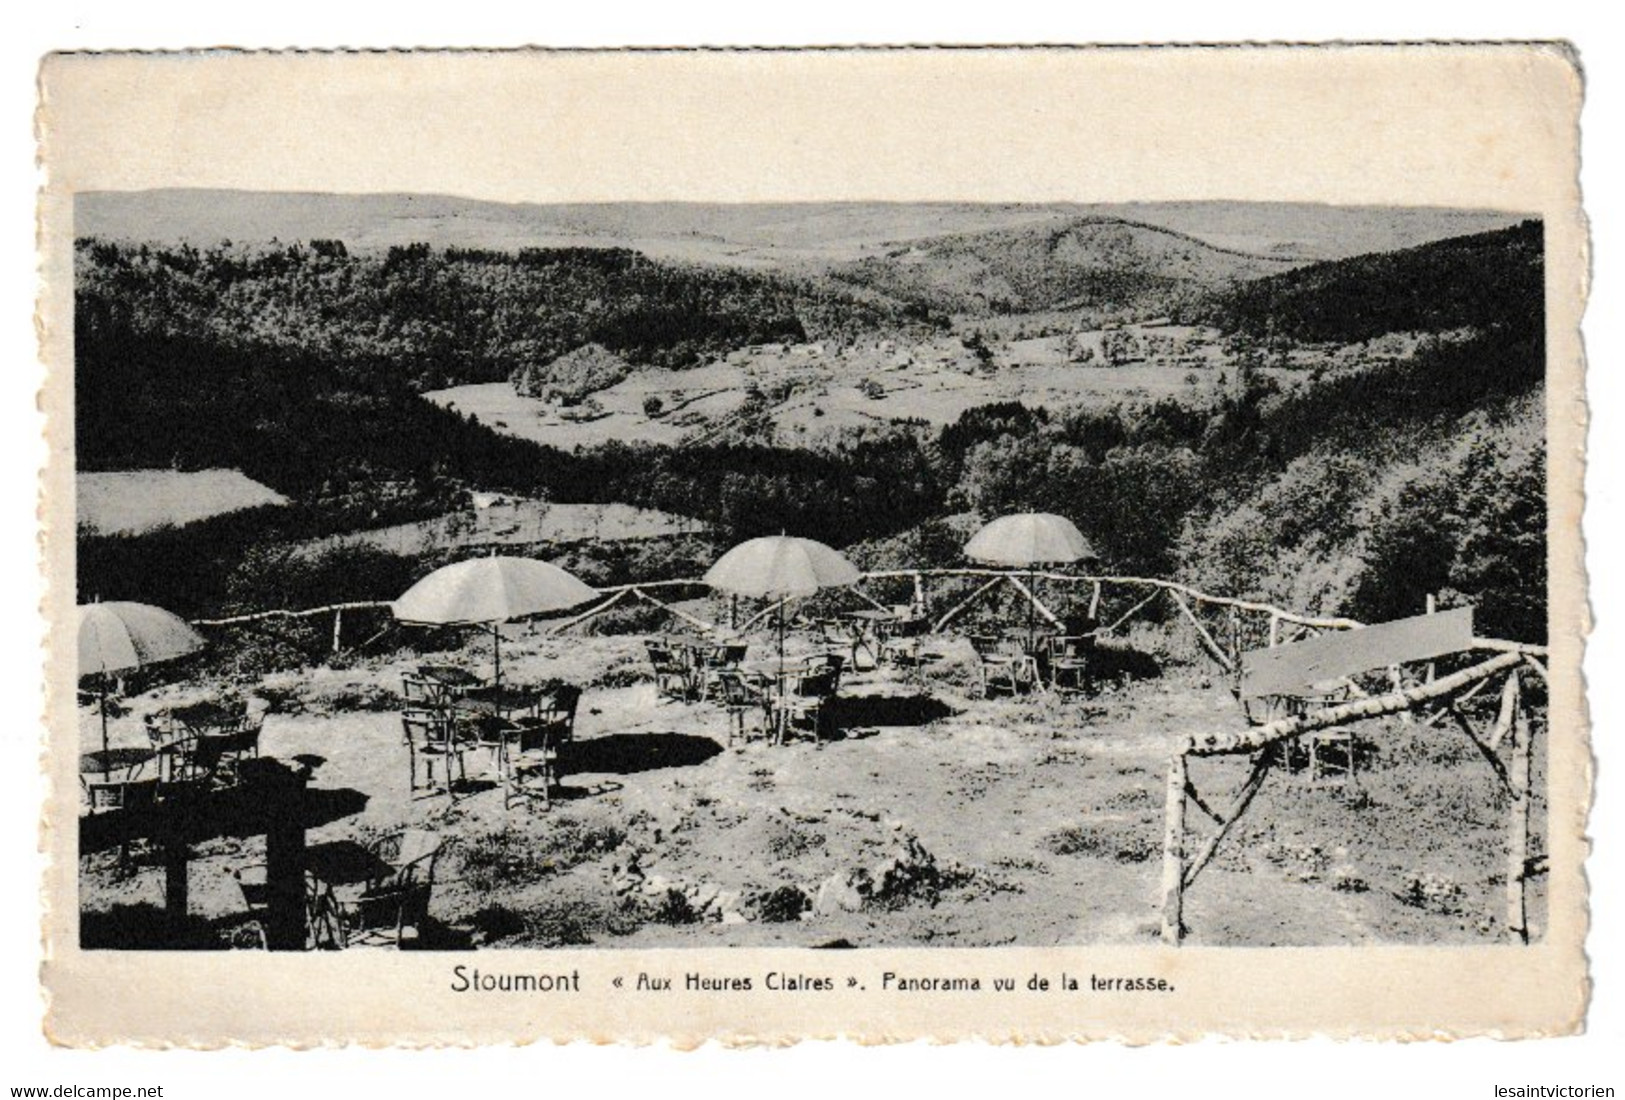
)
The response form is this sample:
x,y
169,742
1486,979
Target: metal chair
x,y
672,679
806,699
719,658
904,634
1068,657
742,696
387,908
998,666
429,740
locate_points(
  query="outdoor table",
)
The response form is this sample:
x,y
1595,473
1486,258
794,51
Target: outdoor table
x,y
503,702
452,677
105,762
205,716
693,649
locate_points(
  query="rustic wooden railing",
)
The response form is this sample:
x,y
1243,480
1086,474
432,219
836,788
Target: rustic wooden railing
x,y
1216,621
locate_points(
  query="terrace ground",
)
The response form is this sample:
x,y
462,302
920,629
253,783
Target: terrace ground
x,y
968,821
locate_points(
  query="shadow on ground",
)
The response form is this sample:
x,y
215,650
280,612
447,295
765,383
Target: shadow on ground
x,y
629,753
1109,663
888,710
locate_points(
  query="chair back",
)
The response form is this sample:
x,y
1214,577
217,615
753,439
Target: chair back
x,y
204,755
818,685
906,622
1013,643
825,662
425,727
738,691
411,852
986,646
726,655
245,741
486,731
422,692
1067,646
161,730
663,657
558,704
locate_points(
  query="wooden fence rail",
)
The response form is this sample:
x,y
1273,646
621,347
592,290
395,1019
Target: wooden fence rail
x,y
1186,599
1511,724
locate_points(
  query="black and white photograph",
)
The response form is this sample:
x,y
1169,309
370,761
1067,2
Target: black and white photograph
x,y
632,546
856,575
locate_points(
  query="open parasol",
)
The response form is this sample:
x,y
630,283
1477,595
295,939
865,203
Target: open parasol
x,y
120,635
1027,540
782,568
491,591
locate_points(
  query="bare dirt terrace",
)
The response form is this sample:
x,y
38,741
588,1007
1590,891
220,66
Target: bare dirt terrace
x,y
936,818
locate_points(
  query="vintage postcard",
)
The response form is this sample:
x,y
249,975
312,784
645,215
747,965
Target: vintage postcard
x,y
1018,544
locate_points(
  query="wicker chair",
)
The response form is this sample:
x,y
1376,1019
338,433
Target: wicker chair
x,y
999,667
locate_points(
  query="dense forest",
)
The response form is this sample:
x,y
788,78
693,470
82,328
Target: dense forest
x,y
1394,471
442,317
1484,280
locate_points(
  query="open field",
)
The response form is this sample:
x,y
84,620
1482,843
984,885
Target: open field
x,y
136,501
814,389
1027,821
511,522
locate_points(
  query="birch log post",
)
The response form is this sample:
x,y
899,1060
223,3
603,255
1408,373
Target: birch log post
x,y
1518,826
1213,647
1173,853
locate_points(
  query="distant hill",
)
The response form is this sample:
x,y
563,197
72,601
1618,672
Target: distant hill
x,y
1101,264
1480,281
451,316
738,234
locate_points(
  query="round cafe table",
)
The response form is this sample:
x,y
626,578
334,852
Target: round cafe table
x,y
206,716
453,677
104,762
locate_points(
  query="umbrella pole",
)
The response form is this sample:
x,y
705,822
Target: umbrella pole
x,y
1032,610
496,654
103,682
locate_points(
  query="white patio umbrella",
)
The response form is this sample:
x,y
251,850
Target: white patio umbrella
x,y
119,636
1027,540
780,567
491,591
